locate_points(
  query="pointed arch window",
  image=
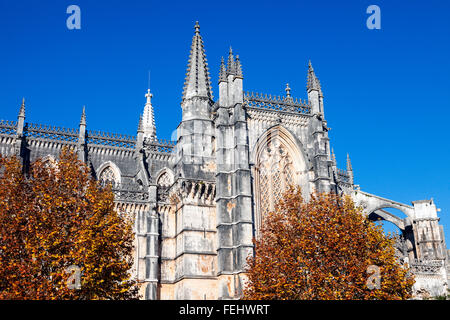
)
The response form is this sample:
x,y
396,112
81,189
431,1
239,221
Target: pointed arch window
x,y
276,174
108,176
164,180
279,163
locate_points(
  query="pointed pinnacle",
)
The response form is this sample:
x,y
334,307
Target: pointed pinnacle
x,y
148,118
22,109
333,156
222,71
197,81
230,63
83,116
312,81
238,67
349,164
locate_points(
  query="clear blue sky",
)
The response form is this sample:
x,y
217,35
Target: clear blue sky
x,y
387,92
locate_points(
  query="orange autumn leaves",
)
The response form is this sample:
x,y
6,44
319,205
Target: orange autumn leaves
x,y
57,217
322,249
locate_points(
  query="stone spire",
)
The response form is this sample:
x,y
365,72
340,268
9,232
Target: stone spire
x,y
313,82
333,156
238,67
148,118
22,109
350,170
81,147
21,119
230,64
234,66
197,82
349,164
83,117
222,71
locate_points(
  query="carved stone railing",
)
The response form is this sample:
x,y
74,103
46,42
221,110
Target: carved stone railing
x,y
130,192
159,145
276,103
46,132
8,127
110,139
426,266
96,138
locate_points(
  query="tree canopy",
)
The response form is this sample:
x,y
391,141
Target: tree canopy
x,y
324,249
60,237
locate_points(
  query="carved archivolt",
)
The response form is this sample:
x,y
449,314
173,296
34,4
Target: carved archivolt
x,y
109,173
165,179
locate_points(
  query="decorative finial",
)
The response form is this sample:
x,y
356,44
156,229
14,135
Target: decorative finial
x,y
197,27
149,96
333,156
288,90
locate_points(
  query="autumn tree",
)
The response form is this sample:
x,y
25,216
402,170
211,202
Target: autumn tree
x,y
58,226
324,249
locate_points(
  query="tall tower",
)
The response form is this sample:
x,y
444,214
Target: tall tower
x,y
321,157
195,135
314,90
189,257
234,201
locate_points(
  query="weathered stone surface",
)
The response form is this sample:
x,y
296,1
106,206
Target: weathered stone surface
x,y
199,201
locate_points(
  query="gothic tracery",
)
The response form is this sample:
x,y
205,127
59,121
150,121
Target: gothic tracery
x,y
164,180
275,174
107,176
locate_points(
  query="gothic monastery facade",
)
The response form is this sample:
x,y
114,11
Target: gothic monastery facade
x,y
199,201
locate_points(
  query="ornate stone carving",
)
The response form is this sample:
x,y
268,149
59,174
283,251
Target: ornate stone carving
x,y
276,173
107,176
258,100
426,266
